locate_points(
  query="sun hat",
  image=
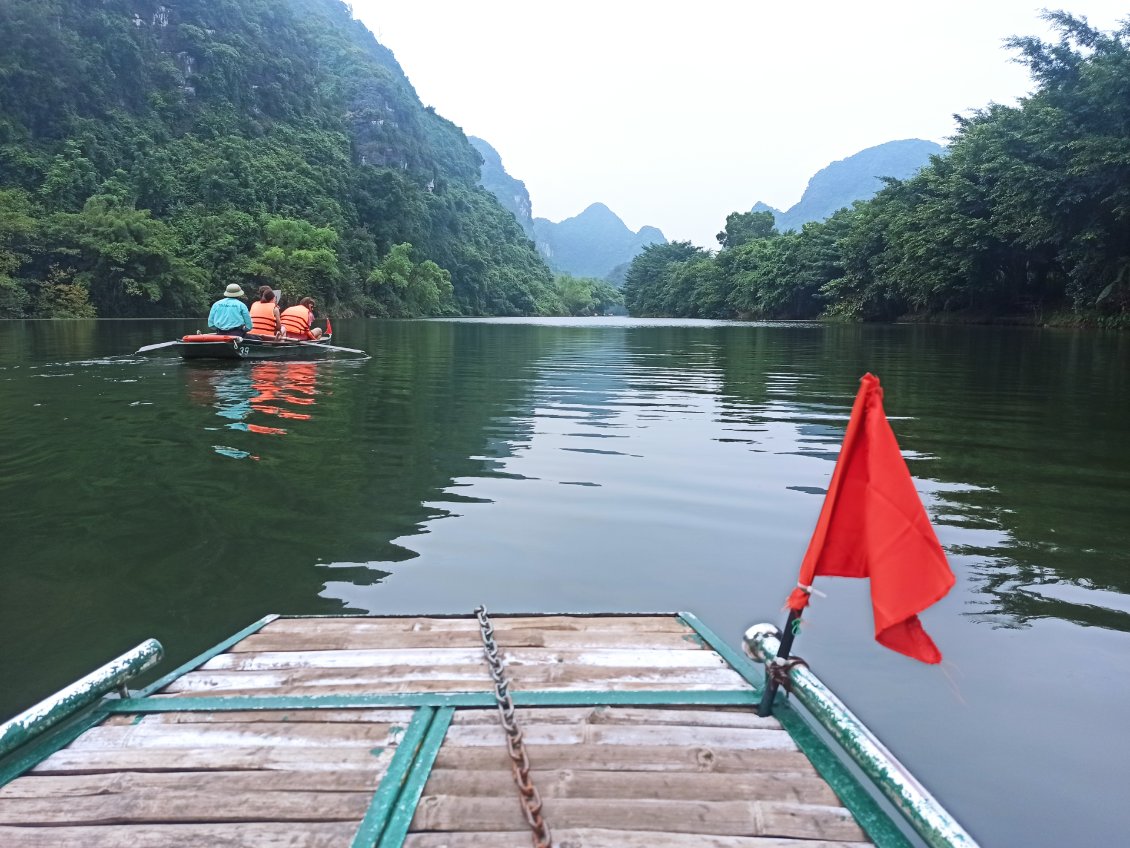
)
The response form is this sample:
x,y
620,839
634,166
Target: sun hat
x,y
233,290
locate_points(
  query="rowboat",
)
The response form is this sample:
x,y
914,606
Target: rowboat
x,y
217,346
224,346
594,730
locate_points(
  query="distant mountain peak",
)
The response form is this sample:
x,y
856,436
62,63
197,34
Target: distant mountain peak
x,y
856,177
592,243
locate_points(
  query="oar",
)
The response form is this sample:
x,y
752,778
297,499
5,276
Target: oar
x,y
148,348
324,346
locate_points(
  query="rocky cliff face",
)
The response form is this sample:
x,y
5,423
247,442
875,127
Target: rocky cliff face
x,y
510,192
857,177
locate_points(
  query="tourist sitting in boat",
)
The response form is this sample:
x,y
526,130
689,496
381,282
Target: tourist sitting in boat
x,y
229,315
297,321
265,320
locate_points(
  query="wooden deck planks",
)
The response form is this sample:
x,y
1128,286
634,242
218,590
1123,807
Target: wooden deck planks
x,y
228,835
345,780
640,770
579,783
720,818
337,639
609,838
698,716
153,736
665,777
188,779
468,624
186,805
554,677
471,658
637,758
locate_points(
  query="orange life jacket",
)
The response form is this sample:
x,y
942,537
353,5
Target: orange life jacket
x,y
263,318
296,321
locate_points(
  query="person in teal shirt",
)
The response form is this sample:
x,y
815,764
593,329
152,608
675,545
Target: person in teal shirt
x,y
229,314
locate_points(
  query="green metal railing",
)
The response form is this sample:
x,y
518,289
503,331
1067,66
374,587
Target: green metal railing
x,y
922,811
78,696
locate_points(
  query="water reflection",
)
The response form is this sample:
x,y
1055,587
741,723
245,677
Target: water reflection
x,y
249,394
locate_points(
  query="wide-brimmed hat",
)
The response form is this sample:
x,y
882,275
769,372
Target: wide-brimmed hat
x,y
233,290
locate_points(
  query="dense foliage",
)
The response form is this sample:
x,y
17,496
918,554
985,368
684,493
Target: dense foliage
x,y
1027,216
151,154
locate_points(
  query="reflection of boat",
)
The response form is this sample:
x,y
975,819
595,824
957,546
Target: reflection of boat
x,y
216,346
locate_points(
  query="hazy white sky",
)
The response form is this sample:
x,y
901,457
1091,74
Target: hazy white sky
x,y
676,114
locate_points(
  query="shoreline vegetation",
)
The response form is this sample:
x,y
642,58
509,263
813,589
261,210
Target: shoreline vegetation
x,y
1024,220
151,155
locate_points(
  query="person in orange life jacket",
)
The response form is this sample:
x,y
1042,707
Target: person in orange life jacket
x,y
265,321
229,314
296,320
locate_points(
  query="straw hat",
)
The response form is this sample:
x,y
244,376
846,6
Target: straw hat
x,y
233,290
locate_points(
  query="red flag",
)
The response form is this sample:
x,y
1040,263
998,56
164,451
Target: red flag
x,y
873,525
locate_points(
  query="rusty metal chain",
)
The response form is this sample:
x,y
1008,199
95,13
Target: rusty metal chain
x,y
779,672
515,746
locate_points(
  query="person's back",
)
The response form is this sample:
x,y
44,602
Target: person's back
x,y
265,318
229,314
296,320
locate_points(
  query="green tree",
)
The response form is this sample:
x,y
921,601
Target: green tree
x,y
744,227
298,258
18,230
403,288
646,283
126,261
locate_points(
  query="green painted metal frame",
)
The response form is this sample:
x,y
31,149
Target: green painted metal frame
x,y
397,829
402,700
75,699
753,675
39,749
33,753
392,784
879,827
197,661
876,823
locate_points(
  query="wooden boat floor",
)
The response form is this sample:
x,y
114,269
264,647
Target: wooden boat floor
x,y
662,775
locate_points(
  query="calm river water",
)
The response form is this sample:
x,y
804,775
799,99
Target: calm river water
x,y
586,465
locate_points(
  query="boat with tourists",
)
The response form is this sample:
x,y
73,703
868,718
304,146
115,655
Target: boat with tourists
x,y
457,730
254,347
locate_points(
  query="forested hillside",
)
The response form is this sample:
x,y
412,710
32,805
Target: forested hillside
x,y
150,154
1026,218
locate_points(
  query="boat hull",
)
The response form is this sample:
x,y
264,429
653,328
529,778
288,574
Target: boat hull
x,y
234,347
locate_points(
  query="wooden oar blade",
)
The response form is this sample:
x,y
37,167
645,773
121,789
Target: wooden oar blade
x,y
334,347
148,348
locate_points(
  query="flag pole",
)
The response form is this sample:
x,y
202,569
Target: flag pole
x,y
792,624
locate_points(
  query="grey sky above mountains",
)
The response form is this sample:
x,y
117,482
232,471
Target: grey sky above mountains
x,y
676,114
